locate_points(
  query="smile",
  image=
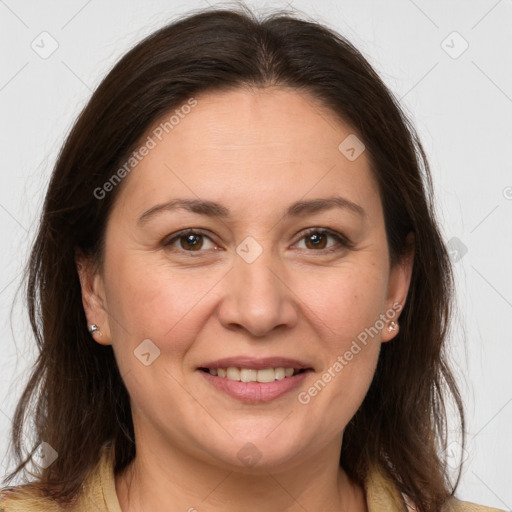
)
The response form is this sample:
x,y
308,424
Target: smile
x,y
252,374
255,386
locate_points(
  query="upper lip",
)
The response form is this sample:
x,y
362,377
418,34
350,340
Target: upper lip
x,y
257,363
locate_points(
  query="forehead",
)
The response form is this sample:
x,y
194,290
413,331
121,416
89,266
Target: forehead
x,y
275,122
273,144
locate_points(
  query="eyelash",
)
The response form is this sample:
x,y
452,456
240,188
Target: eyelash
x,y
344,243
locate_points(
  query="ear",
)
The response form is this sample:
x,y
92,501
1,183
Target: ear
x,y
398,287
93,297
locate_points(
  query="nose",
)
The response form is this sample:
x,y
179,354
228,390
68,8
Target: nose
x,y
257,297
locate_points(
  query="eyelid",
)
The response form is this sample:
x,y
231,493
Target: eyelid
x,y
326,231
175,236
342,239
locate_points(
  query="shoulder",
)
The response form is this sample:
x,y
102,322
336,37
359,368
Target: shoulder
x,y
25,498
382,494
28,498
97,493
456,505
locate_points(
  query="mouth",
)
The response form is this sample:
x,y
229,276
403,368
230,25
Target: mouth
x,y
264,375
255,380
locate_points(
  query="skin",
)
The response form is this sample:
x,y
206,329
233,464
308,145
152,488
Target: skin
x,y
256,152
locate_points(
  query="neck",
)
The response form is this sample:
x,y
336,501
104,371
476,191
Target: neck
x,y
163,476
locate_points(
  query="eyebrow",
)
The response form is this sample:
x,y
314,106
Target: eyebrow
x,y
213,209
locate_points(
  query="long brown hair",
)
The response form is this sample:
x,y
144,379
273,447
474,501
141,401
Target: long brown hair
x,y
81,400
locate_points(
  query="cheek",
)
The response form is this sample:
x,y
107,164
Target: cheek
x,y
345,301
166,306
347,309
148,299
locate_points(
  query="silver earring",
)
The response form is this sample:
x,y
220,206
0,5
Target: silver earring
x,y
392,326
93,329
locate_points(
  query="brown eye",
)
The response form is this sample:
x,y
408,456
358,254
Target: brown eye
x,y
188,241
191,241
317,239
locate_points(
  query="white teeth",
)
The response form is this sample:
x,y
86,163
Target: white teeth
x,y
233,373
266,375
280,373
253,375
247,375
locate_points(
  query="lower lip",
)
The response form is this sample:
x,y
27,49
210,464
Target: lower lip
x,y
254,392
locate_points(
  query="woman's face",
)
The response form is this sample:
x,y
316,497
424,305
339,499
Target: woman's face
x,y
257,282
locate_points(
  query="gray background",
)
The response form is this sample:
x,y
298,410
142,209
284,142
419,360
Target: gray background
x,y
459,99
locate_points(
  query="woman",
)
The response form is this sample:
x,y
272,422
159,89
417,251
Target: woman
x,y
239,287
